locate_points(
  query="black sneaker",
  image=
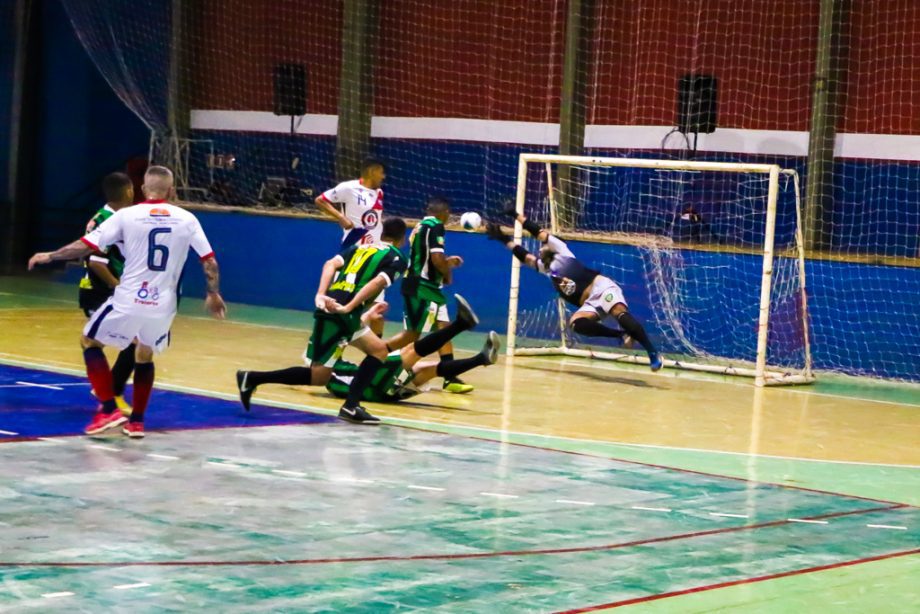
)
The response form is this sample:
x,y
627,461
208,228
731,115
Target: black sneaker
x,y
357,415
465,313
243,386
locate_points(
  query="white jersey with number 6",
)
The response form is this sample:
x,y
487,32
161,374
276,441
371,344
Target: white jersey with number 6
x,y
156,237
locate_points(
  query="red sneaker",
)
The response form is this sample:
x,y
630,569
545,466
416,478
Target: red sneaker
x,y
134,430
103,422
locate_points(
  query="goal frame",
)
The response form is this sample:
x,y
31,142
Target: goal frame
x,y
761,373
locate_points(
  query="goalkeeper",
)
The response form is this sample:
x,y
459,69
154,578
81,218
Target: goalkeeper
x,y
593,295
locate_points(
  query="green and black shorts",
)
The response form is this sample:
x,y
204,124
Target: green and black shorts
x,y
331,333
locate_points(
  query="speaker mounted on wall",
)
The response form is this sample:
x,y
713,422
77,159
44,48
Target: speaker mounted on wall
x,y
697,106
289,82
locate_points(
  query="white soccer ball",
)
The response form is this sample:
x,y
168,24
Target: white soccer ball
x,y
470,221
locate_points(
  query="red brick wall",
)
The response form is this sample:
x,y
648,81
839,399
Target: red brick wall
x,y
503,60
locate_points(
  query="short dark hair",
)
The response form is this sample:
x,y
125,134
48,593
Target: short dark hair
x,y
437,205
394,228
114,186
370,163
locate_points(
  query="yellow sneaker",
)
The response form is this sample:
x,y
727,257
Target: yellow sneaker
x,y
456,386
123,406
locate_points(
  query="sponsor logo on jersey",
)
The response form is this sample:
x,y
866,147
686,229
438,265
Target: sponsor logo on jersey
x,y
608,297
147,295
157,212
370,219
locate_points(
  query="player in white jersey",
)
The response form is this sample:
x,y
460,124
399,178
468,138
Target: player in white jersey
x,y
156,237
357,205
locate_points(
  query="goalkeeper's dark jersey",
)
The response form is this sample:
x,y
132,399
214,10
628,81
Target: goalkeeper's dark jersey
x,y
362,264
569,276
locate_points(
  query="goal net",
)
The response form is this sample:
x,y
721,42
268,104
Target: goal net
x,y
709,256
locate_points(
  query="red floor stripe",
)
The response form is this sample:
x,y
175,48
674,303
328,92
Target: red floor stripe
x,y
443,557
709,587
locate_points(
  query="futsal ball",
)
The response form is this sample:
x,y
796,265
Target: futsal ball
x,y
470,221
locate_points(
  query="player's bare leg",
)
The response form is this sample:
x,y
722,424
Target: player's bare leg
x,y
100,377
144,372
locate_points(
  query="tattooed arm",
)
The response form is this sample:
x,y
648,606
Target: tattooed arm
x,y
73,251
213,301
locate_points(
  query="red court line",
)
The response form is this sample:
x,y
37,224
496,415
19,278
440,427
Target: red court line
x,y
444,557
709,587
653,465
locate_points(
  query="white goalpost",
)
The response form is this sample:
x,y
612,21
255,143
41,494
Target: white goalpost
x,y
710,255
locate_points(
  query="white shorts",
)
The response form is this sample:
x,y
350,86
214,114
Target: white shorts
x,y
443,316
605,293
114,328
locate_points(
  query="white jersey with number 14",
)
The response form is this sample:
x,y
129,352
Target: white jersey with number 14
x,y
156,237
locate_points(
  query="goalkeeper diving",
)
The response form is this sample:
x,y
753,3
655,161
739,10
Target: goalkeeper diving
x,y
594,296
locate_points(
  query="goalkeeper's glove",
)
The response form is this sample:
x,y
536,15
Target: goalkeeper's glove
x,y
494,232
510,209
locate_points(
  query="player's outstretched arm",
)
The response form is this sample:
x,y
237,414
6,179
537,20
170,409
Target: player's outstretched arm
x,y
532,227
494,232
72,251
213,301
369,291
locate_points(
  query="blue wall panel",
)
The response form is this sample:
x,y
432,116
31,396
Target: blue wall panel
x,y
863,317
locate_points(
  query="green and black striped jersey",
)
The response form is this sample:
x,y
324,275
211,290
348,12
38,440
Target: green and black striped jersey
x,y
423,277
362,264
90,284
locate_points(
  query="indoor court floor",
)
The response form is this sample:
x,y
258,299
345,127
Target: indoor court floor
x,y
559,485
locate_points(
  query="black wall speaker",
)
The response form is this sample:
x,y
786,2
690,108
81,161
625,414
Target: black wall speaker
x,y
697,107
290,89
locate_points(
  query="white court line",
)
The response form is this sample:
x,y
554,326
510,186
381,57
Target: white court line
x,y
419,487
650,509
55,595
499,495
16,360
2,432
101,447
51,440
886,526
163,457
122,587
351,480
806,521
21,384
573,502
48,386
296,474
727,515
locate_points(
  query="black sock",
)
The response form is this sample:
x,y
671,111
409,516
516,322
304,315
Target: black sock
x,y
432,342
446,357
452,368
122,369
634,329
292,376
593,328
366,371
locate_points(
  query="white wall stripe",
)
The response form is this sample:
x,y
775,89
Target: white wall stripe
x,y
723,140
